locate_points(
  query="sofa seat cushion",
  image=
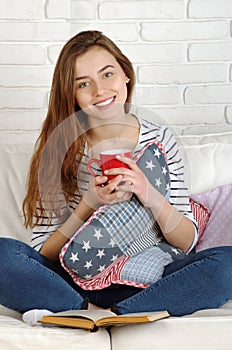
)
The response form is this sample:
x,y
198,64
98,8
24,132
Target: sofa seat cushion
x,y
17,335
206,329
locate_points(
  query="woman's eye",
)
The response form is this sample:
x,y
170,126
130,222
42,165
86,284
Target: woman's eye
x,y
108,75
83,85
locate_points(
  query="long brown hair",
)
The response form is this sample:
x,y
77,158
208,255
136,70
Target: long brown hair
x,y
52,178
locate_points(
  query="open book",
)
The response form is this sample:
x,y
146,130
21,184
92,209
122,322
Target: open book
x,y
93,319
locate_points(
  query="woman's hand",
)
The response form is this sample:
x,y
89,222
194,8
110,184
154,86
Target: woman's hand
x,y
101,192
133,180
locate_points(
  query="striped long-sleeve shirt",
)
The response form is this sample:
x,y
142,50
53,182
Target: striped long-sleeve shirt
x,y
179,197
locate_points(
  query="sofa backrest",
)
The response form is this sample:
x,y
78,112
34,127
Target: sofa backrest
x,y
208,160
14,160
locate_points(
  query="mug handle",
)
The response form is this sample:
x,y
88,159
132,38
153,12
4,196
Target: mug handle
x,y
93,160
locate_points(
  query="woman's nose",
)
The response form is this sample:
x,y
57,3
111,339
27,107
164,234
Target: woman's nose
x,y
98,88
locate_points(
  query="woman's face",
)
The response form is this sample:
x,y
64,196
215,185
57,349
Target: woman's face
x,y
100,84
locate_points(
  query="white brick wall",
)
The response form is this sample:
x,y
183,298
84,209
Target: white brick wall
x,y
30,32
157,9
181,51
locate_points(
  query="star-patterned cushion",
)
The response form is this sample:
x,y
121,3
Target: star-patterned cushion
x,y
202,214
122,243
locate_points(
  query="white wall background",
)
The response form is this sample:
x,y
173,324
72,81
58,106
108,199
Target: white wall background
x,y
181,50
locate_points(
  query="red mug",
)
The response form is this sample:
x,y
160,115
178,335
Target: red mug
x,y
108,161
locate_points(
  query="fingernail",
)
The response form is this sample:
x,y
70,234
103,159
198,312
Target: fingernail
x,y
106,171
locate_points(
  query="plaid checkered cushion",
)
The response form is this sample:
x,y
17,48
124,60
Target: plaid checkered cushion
x,y
122,243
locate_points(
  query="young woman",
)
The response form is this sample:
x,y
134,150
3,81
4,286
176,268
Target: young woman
x,y
89,111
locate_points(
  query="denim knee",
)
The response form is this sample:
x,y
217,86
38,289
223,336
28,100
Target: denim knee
x,y
6,247
7,244
222,269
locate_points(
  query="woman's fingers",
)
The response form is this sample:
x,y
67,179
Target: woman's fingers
x,y
101,192
111,195
125,186
107,192
124,171
100,180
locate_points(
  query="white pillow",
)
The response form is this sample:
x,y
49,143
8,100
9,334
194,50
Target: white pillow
x,y
14,160
208,161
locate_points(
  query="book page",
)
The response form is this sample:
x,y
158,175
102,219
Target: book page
x,y
140,317
89,314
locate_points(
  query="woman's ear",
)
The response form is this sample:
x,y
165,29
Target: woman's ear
x,y
127,79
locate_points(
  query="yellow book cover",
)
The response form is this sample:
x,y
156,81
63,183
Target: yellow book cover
x,y
93,319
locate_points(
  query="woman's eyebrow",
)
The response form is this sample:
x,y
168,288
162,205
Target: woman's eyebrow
x,y
100,71
105,67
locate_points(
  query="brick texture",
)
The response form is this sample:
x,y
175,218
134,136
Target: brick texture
x,y
181,51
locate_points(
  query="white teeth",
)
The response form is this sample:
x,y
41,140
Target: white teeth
x,y
104,103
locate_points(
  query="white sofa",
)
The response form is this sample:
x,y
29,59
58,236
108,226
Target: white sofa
x,y
208,165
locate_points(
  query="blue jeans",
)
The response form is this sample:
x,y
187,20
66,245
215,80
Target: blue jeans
x,y
28,280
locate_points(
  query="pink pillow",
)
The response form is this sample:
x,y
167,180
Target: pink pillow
x,y
218,231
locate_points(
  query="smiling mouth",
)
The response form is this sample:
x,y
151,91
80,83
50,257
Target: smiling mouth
x,y
105,103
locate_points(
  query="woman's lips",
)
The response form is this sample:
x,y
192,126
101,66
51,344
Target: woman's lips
x,y
105,103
